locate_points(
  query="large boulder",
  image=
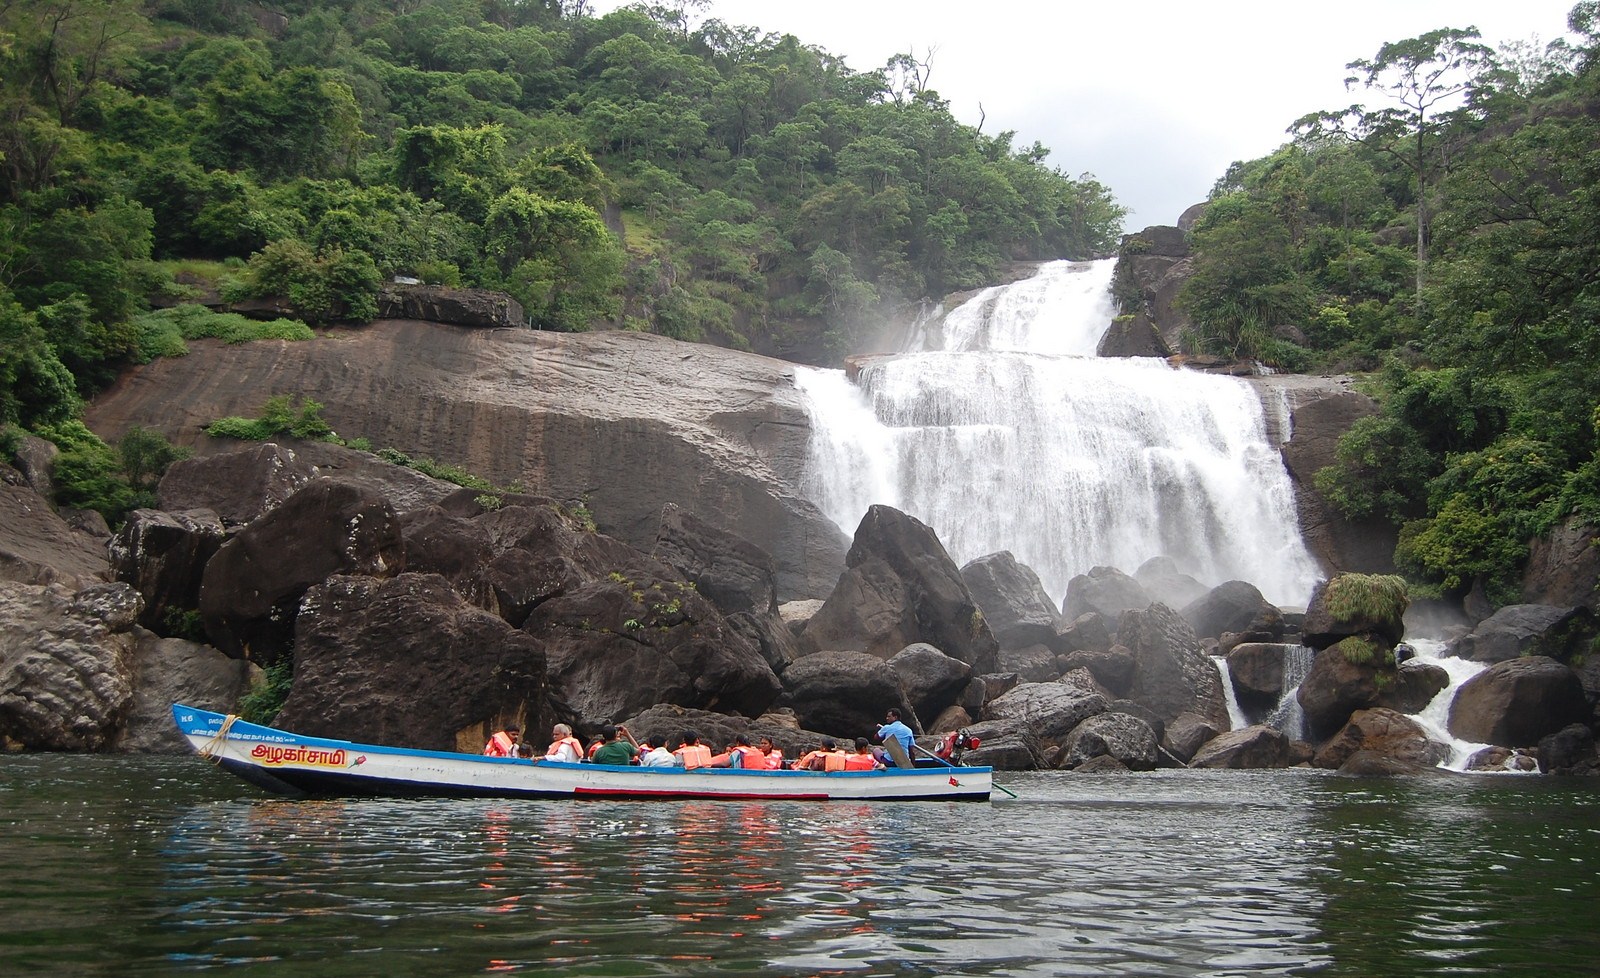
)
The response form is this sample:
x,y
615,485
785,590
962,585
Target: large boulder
x,y
1126,738
1006,745
1089,632
900,587
251,589
1234,606
1371,605
1570,750
1104,591
163,555
1114,669
1172,674
1344,678
932,681
1012,600
1528,629
1050,710
1518,702
38,546
474,308
407,661
1152,267
1384,732
1256,669
174,670
1185,735
1248,748
618,646
844,694
1033,664
1416,684
238,486
66,665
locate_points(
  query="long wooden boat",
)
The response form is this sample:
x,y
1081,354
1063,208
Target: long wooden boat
x,y
289,764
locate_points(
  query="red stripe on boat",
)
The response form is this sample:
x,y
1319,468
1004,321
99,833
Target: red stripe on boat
x,y
731,795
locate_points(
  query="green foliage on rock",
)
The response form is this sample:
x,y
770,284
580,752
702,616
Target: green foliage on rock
x,y
1366,597
268,692
283,414
1359,651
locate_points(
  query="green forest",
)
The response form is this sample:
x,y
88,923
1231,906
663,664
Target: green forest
x,y
652,169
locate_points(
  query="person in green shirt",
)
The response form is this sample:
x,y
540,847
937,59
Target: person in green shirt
x,y
619,748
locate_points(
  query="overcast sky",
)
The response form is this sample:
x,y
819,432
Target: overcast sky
x,y
1154,97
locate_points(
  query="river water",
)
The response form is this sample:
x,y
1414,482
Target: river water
x,y
158,866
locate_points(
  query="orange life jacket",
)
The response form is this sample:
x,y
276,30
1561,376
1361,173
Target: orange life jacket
x,y
555,748
500,745
860,762
692,756
774,760
750,759
834,760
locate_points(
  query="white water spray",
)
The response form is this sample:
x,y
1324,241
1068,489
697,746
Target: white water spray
x,y
1067,461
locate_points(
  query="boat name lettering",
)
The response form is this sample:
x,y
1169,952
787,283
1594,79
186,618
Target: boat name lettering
x,y
299,755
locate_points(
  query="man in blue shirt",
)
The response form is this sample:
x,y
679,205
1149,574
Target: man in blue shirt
x,y
892,727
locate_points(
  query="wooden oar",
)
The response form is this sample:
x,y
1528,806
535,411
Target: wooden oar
x,y
957,767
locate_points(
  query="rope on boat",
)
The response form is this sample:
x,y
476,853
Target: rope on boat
x,y
212,749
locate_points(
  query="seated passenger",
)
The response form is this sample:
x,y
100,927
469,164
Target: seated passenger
x,y
618,746
692,754
563,746
826,758
741,755
771,757
657,755
863,759
503,743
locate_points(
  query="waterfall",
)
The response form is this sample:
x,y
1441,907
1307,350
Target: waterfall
x,y
1009,437
1435,717
1287,715
1236,718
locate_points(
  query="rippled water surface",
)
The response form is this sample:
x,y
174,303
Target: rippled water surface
x,y
139,866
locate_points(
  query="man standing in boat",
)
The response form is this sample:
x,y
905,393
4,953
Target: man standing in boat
x,y
892,727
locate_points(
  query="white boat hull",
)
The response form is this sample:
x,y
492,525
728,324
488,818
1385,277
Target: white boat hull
x,y
289,764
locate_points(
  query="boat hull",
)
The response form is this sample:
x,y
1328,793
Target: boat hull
x,y
290,764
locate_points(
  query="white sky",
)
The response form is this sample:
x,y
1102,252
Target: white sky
x,y
1154,97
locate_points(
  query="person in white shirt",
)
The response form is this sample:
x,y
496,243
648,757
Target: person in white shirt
x,y
563,746
657,755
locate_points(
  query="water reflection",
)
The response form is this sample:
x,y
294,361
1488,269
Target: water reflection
x,y
146,867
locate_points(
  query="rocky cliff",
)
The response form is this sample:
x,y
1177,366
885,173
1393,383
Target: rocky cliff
x,y
621,423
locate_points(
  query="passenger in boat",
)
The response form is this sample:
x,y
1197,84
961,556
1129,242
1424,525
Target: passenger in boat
x,y
740,755
892,727
503,744
692,754
563,746
525,751
828,757
863,759
657,755
619,747
771,757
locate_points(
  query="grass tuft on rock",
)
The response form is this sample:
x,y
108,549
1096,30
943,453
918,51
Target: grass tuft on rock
x,y
1366,597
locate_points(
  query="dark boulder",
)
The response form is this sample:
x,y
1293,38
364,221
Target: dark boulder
x,y
1034,664
1126,738
899,588
251,588
1012,599
474,308
1518,702
1257,672
1570,750
1528,629
38,546
1088,632
1235,606
1383,732
1005,745
844,694
1564,567
1250,748
173,670
1104,591
1114,668
1344,678
1374,764
1416,684
66,677
164,555
618,646
1172,675
407,661
238,486
731,572
1050,710
932,681
1185,735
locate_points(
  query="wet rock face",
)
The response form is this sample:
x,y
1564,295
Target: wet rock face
x,y
66,679
1236,606
1521,629
1251,747
1172,674
238,486
1382,732
732,573
407,661
1337,687
844,694
164,555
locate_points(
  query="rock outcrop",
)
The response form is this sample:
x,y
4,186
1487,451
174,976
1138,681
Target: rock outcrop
x,y
1172,675
620,422
1383,732
1104,591
1518,702
37,546
1528,629
475,308
1012,600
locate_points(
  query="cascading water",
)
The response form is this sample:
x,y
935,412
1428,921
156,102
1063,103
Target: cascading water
x,y
1013,436
1287,715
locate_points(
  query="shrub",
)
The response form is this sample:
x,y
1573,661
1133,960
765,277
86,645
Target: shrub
x,y
280,415
1361,652
266,696
1366,597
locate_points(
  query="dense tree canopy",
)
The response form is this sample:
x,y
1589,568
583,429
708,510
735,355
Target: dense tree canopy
x,y
1447,239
